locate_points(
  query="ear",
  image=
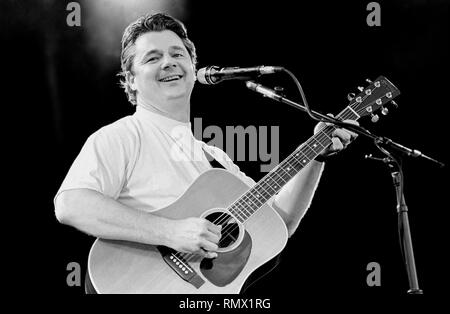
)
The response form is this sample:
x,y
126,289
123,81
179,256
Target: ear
x,y
130,78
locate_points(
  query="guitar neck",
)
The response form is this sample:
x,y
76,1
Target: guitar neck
x,y
272,183
372,98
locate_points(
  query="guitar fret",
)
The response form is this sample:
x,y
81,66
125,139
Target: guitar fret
x,y
293,167
258,198
261,197
285,175
238,214
309,152
315,145
268,184
303,159
356,116
277,172
246,206
255,199
248,197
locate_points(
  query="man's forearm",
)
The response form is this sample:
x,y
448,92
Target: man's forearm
x,y
295,197
103,217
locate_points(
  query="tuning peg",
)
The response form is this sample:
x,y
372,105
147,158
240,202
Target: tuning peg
x,y
360,88
394,103
368,81
384,111
374,118
350,96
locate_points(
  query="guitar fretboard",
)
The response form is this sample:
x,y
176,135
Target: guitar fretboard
x,y
272,183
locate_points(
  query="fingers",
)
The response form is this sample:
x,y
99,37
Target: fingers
x,y
206,254
213,232
321,125
354,122
336,145
209,242
207,249
195,235
216,229
208,245
212,237
342,135
353,134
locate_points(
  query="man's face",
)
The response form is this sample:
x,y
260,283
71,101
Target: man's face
x,y
162,68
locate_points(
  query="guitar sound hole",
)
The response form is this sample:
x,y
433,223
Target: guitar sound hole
x,y
230,228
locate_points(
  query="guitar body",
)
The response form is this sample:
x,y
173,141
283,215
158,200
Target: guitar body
x,y
126,267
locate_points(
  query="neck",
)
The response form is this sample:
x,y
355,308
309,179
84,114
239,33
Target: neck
x,y
176,110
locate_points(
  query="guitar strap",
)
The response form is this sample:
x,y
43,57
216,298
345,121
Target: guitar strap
x,y
214,163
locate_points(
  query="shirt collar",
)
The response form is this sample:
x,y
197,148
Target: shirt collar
x,y
165,123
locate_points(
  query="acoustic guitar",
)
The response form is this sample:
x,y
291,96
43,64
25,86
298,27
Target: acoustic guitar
x,y
252,232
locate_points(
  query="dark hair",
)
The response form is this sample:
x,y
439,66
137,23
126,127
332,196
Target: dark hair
x,y
144,24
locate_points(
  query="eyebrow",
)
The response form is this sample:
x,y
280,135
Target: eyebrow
x,y
177,48
159,51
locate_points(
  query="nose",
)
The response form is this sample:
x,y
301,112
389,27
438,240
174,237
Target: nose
x,y
168,62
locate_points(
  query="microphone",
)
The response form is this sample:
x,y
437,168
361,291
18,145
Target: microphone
x,y
266,92
213,74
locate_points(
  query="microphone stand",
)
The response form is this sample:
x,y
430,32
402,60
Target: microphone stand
x,y
404,233
394,166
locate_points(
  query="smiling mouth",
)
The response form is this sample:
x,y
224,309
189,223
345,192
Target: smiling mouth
x,y
171,78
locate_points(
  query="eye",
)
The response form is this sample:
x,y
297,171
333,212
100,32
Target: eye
x,y
178,54
152,59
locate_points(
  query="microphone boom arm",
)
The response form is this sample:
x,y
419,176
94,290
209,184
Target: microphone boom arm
x,y
270,93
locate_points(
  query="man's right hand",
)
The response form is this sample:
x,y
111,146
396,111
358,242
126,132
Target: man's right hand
x,y
195,235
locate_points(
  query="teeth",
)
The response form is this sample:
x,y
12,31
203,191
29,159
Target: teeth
x,y
169,78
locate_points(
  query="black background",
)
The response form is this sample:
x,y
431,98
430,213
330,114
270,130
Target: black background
x,y
58,90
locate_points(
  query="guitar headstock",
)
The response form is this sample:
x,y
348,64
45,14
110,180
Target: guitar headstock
x,y
374,97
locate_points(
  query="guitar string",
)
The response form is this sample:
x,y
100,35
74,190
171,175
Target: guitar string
x,y
306,144
226,217
344,116
293,156
274,173
245,199
240,200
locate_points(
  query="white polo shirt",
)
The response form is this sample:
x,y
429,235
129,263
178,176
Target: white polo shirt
x,y
144,161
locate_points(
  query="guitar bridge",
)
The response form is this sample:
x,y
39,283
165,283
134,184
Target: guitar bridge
x,y
181,267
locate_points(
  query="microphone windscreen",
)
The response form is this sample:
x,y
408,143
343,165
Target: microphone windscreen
x,y
201,76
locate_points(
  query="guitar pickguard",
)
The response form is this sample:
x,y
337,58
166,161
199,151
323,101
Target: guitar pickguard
x,y
228,265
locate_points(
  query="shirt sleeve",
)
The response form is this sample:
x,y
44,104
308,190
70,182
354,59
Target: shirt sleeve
x,y
101,165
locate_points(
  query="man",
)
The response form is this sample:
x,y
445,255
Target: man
x,y
127,170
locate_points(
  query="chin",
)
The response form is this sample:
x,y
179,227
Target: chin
x,y
178,93
174,96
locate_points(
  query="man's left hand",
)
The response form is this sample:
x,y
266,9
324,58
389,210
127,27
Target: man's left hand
x,y
341,138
